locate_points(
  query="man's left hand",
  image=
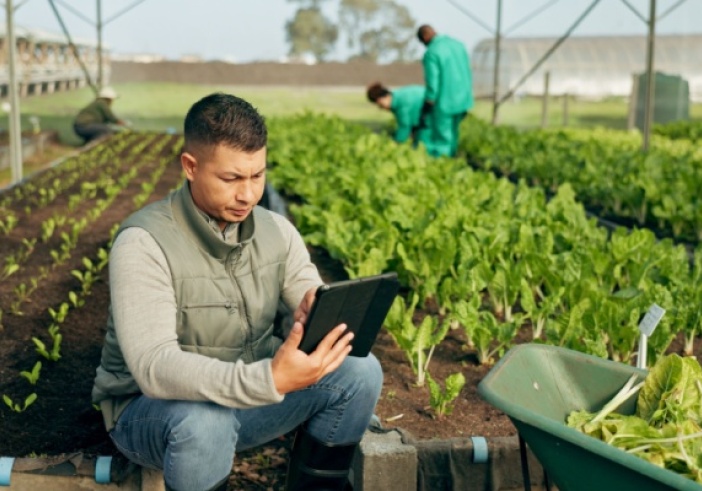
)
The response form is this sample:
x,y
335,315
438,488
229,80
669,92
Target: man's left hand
x,y
293,369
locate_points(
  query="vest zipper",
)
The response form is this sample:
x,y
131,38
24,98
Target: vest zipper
x,y
232,261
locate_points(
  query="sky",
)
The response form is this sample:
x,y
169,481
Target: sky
x,y
254,30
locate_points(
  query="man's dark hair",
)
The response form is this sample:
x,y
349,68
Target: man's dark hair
x,y
425,33
224,119
376,91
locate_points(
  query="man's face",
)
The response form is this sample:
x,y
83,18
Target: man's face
x,y
384,102
225,183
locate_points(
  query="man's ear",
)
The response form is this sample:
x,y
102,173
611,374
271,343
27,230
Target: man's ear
x,y
189,164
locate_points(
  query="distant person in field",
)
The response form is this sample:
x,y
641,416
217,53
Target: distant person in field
x,y
192,369
97,119
405,103
449,89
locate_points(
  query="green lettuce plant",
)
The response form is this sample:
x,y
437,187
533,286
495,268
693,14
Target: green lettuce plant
x,y
11,267
48,227
33,375
58,316
15,406
415,340
666,426
8,223
56,337
442,400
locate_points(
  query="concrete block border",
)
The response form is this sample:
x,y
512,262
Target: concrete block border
x,y
388,460
397,461
385,462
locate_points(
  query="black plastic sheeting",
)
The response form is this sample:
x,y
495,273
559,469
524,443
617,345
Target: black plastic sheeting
x,y
448,465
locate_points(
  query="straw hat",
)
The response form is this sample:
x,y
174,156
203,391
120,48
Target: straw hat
x,y
107,93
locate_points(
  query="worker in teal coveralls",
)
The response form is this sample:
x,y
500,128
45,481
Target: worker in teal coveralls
x,y
449,89
406,105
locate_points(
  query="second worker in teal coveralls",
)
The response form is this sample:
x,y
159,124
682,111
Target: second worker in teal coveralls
x,y
449,90
406,105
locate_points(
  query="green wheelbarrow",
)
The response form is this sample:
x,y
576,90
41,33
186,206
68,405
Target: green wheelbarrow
x,y
537,386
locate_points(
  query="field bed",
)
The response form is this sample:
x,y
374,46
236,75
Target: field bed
x,y
62,420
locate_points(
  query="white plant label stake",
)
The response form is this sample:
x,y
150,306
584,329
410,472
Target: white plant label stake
x,y
646,327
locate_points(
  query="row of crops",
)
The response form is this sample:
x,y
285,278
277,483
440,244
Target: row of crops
x,y
500,261
54,234
608,171
677,130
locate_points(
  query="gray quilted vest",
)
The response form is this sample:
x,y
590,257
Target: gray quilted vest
x,y
226,295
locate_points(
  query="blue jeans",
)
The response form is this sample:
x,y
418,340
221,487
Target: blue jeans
x,y
194,442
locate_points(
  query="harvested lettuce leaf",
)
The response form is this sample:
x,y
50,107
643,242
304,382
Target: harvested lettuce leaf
x,y
666,428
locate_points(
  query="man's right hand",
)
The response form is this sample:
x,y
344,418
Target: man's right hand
x,y
293,369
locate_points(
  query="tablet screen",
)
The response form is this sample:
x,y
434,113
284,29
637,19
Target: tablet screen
x,y
362,304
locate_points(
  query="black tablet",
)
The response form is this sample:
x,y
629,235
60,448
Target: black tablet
x,y
362,304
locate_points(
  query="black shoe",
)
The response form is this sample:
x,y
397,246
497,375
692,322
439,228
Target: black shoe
x,y
317,466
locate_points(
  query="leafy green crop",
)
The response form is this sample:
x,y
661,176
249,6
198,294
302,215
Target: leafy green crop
x,y
443,400
491,257
15,406
33,375
676,130
607,170
666,428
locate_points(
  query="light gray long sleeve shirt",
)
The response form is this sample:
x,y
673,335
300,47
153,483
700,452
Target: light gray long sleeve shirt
x,y
144,310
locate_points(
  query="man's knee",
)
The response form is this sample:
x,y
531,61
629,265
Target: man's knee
x,y
365,373
374,370
205,425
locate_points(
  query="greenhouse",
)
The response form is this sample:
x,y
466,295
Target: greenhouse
x,y
352,275
593,67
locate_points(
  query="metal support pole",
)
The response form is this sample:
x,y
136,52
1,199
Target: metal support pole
x,y
99,44
73,47
15,126
650,75
544,100
549,52
496,72
633,102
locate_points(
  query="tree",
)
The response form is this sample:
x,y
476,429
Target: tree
x,y
378,30
310,31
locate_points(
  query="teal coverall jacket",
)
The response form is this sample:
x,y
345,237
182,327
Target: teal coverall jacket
x,y
406,105
449,86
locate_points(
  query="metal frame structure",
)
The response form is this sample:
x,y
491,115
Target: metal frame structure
x,y
650,22
49,65
587,66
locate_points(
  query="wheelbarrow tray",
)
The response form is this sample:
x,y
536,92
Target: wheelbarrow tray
x,y
537,386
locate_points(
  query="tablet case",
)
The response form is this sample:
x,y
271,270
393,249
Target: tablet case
x,y
362,304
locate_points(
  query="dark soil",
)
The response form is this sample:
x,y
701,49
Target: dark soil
x,y
405,405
